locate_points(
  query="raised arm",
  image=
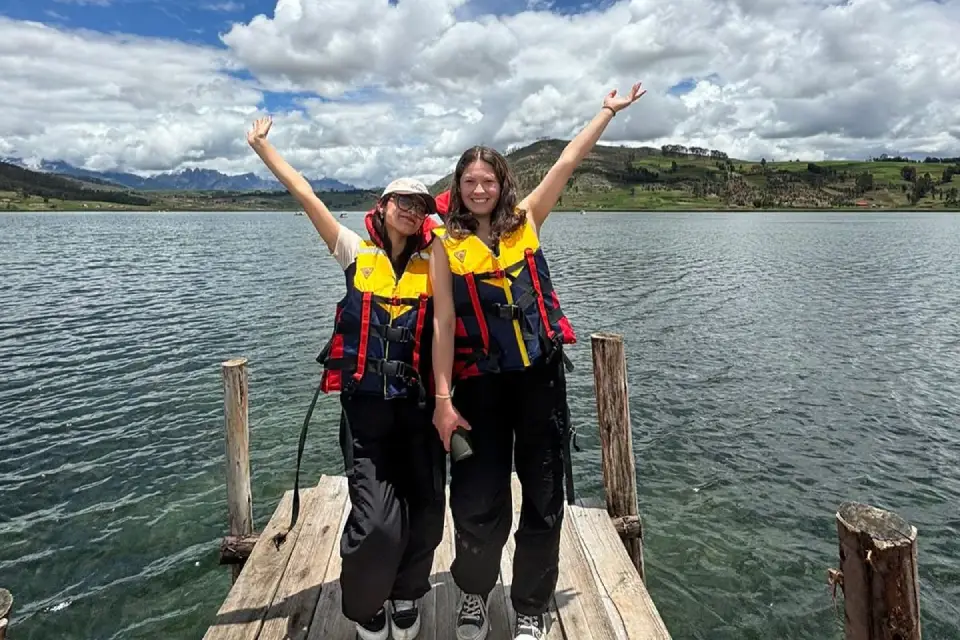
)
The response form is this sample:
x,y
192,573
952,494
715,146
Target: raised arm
x,y
326,225
541,200
445,416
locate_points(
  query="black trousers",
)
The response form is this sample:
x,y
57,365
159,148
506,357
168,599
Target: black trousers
x,y
502,407
395,467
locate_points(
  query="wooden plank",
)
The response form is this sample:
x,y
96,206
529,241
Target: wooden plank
x,y
617,577
444,596
291,613
580,607
329,623
243,611
506,571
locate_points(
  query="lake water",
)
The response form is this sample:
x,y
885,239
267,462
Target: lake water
x,y
779,363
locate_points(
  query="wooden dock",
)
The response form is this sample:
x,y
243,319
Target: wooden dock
x,y
293,591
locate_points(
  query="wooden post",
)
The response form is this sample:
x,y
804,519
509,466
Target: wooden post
x,y
878,573
239,497
6,604
616,438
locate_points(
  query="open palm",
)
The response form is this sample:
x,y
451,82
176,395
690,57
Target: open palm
x,y
261,127
622,102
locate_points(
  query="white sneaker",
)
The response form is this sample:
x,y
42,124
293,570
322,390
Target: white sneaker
x,y
404,619
375,628
530,627
472,622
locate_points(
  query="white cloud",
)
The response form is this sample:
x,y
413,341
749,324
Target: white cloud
x,y
407,86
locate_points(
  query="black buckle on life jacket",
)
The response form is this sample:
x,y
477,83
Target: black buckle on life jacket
x,y
506,311
391,368
393,334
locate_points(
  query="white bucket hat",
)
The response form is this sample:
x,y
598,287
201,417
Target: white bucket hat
x,y
411,186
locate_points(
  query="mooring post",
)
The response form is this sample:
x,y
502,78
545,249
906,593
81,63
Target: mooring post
x,y
616,441
878,574
6,604
237,430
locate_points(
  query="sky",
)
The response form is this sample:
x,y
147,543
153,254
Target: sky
x,y
365,91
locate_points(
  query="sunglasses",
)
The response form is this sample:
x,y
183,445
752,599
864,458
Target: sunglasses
x,y
411,204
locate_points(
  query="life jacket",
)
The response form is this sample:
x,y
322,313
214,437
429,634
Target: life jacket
x,y
384,325
508,313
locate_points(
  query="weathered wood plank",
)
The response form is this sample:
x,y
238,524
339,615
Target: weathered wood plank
x,y
329,623
555,630
291,613
633,609
242,613
579,604
502,615
445,593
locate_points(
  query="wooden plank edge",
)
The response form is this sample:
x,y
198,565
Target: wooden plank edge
x,y
596,530
264,547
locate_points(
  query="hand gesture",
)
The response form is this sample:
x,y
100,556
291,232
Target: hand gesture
x,y
259,131
446,419
619,104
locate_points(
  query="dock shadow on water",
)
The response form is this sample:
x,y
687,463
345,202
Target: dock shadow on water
x,y
779,365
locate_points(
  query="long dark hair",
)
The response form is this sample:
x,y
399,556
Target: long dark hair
x,y
504,219
380,226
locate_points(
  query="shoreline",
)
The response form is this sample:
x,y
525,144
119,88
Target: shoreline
x,y
563,210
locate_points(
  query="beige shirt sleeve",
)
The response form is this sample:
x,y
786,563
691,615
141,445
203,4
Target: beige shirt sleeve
x,y
347,247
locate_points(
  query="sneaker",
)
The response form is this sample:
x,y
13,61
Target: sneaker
x,y
530,627
472,623
404,619
375,628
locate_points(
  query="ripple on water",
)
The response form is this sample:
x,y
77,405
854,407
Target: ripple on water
x,y
779,365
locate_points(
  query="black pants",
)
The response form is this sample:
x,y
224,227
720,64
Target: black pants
x,y
395,468
499,408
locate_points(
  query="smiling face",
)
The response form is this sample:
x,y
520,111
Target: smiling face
x,y
480,188
405,213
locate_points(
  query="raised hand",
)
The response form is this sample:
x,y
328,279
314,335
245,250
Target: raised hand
x,y
620,103
261,127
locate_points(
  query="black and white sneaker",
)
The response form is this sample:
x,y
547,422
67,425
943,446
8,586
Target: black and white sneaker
x,y
404,619
375,628
472,622
530,627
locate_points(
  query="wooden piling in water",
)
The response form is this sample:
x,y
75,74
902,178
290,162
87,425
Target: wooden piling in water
x,y
616,441
6,604
237,432
878,574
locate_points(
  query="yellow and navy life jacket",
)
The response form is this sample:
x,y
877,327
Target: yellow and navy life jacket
x,y
383,329
508,314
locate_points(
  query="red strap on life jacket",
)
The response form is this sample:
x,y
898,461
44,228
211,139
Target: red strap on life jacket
x,y
364,336
421,317
535,278
478,311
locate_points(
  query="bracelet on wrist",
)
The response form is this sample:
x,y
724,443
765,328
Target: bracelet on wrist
x,y
612,112
443,396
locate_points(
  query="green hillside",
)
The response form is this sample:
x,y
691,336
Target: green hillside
x,y
612,178
677,177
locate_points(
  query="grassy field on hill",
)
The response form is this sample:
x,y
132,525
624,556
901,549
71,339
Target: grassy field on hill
x,y
611,178
679,178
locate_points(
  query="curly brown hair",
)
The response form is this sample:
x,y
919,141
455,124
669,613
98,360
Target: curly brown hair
x,y
505,218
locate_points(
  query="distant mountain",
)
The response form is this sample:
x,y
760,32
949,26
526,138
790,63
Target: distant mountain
x,y
185,180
